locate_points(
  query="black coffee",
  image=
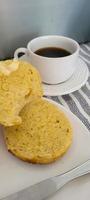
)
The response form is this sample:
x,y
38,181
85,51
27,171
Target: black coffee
x,y
52,52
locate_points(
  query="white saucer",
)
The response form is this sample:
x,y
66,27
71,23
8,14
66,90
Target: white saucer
x,y
77,80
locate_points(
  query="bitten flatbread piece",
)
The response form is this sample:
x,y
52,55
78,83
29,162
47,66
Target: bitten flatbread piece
x,y
44,135
16,89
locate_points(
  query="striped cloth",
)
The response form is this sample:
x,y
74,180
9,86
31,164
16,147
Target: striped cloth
x,y
79,101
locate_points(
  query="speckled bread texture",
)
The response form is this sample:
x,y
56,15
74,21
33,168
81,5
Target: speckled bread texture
x,y
16,90
44,135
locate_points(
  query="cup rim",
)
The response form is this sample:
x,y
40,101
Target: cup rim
x,y
51,36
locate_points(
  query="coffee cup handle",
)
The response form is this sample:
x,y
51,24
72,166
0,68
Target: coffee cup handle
x,y
20,50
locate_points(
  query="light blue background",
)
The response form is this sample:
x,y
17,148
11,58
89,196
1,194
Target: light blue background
x,y
22,20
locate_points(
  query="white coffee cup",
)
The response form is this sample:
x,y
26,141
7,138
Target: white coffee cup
x,y
52,70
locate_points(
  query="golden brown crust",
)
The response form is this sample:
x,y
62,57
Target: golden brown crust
x,y
38,160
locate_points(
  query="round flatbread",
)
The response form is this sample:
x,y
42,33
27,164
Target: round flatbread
x,y
16,89
44,135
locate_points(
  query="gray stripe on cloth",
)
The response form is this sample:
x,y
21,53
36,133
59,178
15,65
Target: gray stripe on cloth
x,y
85,56
86,61
48,97
86,91
88,80
82,101
85,49
87,44
73,107
55,98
